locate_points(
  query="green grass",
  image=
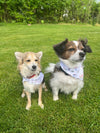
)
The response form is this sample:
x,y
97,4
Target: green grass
x,y
65,115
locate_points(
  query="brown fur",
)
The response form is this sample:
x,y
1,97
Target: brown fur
x,y
80,46
68,53
63,49
28,56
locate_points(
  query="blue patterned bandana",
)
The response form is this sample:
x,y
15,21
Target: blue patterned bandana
x,y
35,80
74,72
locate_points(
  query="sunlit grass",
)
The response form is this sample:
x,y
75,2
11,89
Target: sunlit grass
x,y
65,115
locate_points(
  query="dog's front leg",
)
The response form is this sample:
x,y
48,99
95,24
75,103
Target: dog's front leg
x,y
75,93
28,94
44,86
40,97
23,94
55,94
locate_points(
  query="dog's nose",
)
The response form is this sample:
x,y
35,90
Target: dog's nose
x,y
82,54
34,67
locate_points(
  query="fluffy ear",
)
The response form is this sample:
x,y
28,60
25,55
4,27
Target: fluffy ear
x,y
19,56
39,54
60,48
88,49
84,43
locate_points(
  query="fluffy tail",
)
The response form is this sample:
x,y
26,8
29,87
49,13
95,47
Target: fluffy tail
x,y
50,68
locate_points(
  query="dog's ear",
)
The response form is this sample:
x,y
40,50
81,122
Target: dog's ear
x,y
19,56
60,48
39,54
86,47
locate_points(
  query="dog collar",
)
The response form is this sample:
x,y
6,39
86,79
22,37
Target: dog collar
x,y
34,80
74,72
31,76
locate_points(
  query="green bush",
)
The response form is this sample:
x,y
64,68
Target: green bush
x,y
98,18
33,11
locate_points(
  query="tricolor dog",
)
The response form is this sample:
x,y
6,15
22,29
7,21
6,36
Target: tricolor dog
x,y
33,79
67,74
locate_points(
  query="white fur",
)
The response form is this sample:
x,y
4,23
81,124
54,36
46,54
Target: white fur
x,y
62,82
19,55
30,87
26,70
40,54
76,57
76,43
23,95
50,68
66,84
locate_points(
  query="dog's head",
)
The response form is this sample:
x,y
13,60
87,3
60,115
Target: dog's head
x,y
74,51
29,60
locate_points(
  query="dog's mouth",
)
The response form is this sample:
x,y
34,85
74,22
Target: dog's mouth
x,y
33,70
78,60
81,59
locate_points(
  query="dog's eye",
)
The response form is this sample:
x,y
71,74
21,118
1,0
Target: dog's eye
x,y
28,60
36,60
71,49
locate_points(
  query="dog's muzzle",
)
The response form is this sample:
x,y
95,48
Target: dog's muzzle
x,y
82,55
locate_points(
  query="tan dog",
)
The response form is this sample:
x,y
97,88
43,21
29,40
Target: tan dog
x,y
33,79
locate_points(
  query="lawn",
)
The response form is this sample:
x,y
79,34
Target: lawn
x,y
65,115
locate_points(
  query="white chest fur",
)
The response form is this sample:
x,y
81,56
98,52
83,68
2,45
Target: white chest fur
x,y
30,87
66,84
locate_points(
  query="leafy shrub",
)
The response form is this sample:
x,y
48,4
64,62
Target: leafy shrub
x,y
33,11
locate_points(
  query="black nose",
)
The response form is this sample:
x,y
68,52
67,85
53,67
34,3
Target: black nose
x,y
82,54
34,67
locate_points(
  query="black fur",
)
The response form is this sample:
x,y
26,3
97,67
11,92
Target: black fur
x,y
86,47
60,48
59,69
43,81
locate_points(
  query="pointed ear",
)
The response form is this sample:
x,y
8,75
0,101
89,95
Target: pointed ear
x,y
60,48
84,43
19,56
39,54
88,49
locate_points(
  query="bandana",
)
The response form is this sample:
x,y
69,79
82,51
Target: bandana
x,y
74,72
35,80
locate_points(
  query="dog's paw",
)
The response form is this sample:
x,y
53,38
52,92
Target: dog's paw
x,y
23,95
46,89
28,107
74,97
55,98
41,106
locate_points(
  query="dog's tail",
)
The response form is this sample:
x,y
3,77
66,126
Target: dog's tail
x,y
50,68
